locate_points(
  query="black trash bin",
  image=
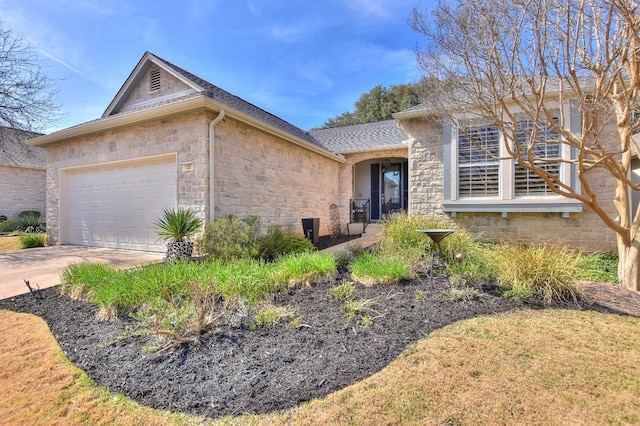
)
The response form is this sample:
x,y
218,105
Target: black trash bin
x,y
311,228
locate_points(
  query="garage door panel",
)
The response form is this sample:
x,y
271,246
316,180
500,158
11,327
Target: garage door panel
x,y
115,207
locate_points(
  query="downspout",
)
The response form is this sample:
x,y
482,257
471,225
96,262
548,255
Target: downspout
x,y
212,177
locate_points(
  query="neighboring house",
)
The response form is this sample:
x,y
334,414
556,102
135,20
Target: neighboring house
x,y
170,139
22,173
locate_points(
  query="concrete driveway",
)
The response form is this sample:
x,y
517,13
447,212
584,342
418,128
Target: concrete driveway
x,y
43,265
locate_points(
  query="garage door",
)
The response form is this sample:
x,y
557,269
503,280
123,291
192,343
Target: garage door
x,y
115,207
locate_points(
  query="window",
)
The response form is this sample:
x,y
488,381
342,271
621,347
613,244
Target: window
x,y
526,182
480,176
478,164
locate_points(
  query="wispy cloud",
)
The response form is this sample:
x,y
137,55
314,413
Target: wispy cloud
x,y
381,9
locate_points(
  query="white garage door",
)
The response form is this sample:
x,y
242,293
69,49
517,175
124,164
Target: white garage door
x,y
115,207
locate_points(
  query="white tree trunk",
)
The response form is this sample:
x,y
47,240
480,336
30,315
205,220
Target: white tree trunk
x,y
629,267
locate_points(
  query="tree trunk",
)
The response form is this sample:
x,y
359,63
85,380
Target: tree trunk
x,y
628,266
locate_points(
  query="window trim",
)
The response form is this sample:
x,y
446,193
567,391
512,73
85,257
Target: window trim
x,y
506,201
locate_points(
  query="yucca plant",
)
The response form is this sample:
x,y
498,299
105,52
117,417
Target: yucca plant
x,y
177,226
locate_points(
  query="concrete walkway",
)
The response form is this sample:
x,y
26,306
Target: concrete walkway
x,y
42,266
369,238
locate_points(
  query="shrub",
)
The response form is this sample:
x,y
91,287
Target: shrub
x,y
279,241
229,238
9,225
527,271
30,222
369,269
31,241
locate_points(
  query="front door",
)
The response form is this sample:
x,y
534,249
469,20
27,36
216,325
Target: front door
x,y
389,188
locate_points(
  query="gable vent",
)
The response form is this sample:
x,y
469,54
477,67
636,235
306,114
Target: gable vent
x,y
154,80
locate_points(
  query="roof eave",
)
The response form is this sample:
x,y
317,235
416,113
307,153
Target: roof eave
x,y
403,145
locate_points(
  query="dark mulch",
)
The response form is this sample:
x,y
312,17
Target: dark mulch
x,y
235,369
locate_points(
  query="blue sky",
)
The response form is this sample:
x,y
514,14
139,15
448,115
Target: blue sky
x,y
304,61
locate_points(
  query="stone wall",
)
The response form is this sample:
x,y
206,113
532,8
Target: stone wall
x,y
255,173
259,174
583,230
22,189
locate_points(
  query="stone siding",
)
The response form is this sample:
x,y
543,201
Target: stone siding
x,y
260,174
255,173
580,230
185,135
22,189
169,85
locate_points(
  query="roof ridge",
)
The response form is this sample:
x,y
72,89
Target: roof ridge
x,y
217,93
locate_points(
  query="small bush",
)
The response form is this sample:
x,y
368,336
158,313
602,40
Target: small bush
x,y
229,238
31,241
31,222
9,225
527,271
369,269
279,241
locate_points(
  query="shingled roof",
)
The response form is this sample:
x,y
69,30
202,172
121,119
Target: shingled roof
x,y
360,137
15,153
239,104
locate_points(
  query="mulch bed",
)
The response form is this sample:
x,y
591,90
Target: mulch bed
x,y
236,369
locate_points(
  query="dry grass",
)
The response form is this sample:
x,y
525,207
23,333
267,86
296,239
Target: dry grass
x,y
9,243
527,367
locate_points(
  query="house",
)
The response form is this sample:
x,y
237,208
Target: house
x,y
170,138
22,173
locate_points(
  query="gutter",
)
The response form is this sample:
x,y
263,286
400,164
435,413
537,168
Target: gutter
x,y
212,125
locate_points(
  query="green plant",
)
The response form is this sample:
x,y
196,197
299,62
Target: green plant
x,y
279,241
229,238
303,268
461,294
31,241
271,315
420,295
369,269
527,271
359,308
177,225
181,318
599,267
30,222
9,225
29,213
344,291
